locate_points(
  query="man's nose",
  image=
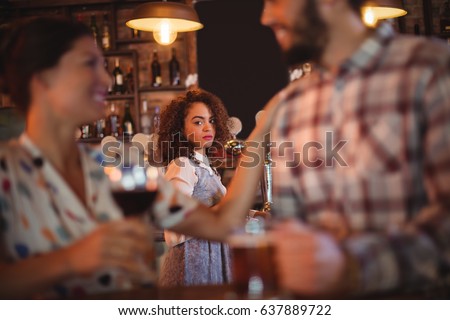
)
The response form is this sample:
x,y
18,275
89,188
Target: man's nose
x,y
265,16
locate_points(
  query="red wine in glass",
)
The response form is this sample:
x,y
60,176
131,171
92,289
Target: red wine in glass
x,y
134,202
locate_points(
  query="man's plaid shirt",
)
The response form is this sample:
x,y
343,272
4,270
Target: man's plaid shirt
x,y
365,153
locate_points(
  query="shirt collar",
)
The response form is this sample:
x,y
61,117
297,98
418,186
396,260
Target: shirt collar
x,y
26,142
203,159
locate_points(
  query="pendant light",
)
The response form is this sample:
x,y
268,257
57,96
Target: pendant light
x,y
381,9
165,19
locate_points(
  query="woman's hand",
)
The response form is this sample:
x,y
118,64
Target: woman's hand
x,y
120,244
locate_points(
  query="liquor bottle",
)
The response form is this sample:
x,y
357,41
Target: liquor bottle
x,y
129,81
174,68
106,38
100,127
113,122
156,119
127,122
444,19
118,87
146,120
86,131
156,70
417,28
94,28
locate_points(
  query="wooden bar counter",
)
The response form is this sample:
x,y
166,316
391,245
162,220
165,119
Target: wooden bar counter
x,y
207,292
226,292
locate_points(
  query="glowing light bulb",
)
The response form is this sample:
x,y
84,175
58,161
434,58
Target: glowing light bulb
x,y
369,17
165,34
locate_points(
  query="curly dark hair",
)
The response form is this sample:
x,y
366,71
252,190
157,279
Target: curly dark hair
x,y
172,142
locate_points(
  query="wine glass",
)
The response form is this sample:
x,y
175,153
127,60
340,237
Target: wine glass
x,y
134,189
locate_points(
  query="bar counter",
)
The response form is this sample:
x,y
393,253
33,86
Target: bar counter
x,y
226,292
209,292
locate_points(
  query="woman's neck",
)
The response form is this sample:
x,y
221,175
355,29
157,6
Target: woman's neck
x,y
55,140
201,151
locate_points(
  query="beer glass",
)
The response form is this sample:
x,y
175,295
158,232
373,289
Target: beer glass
x,y
254,272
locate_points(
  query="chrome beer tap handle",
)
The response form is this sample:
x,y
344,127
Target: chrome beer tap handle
x,y
234,146
266,179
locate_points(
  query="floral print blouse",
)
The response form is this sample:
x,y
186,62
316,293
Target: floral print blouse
x,y
40,213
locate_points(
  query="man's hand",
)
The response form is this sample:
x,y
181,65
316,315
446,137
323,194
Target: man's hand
x,y
309,262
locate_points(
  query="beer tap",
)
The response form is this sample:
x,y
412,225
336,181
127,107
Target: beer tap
x,y
266,180
234,146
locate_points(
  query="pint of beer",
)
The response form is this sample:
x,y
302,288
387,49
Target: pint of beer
x,y
254,273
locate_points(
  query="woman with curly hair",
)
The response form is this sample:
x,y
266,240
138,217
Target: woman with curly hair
x,y
191,127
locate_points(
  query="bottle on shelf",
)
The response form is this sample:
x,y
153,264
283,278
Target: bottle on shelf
x,y
444,20
155,119
118,87
417,27
146,120
174,69
94,28
127,122
113,122
100,128
86,131
156,70
106,37
129,81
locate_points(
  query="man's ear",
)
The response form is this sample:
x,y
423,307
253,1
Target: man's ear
x,y
331,3
330,8
328,2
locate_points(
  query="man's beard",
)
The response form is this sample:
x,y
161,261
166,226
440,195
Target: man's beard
x,y
302,53
310,37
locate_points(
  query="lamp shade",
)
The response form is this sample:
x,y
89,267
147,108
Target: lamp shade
x,y
385,9
150,16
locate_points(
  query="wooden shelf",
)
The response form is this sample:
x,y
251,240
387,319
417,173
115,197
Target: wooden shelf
x,y
133,41
122,139
90,140
113,53
120,97
143,40
162,88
